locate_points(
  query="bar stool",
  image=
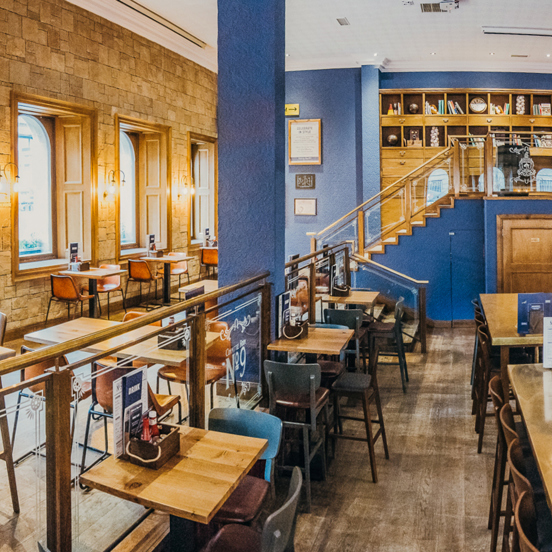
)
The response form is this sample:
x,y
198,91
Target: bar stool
x,y
363,387
295,389
330,368
139,271
177,269
109,285
352,319
209,259
526,523
65,290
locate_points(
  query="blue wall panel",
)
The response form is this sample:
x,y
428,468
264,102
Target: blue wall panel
x,y
494,207
251,140
333,96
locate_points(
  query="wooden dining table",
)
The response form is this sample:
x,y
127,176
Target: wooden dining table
x,y
355,297
501,314
167,261
93,275
5,353
319,341
147,350
532,386
192,486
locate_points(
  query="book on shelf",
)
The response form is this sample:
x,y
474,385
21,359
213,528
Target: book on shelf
x,y
458,108
506,109
545,109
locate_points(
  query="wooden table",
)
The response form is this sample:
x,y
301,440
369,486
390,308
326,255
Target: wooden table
x,y
208,285
501,313
93,275
146,350
167,261
191,487
320,341
356,297
6,353
532,386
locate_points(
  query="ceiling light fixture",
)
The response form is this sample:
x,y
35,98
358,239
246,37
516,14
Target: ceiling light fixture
x,y
287,55
547,55
433,53
375,55
526,31
492,54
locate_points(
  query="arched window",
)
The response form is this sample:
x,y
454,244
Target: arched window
x,y
35,188
499,183
128,218
544,180
437,185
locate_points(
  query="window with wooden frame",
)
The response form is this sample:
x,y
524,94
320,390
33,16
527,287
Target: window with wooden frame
x,y
52,144
142,168
202,166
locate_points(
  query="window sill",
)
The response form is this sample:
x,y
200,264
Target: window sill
x,y
33,265
134,253
39,269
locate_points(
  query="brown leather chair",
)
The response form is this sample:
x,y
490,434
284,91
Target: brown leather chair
x,y
209,259
526,523
215,368
109,285
177,269
3,325
65,290
139,271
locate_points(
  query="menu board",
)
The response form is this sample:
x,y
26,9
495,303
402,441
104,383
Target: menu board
x,y
304,142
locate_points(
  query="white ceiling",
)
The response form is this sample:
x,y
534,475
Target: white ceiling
x,y
402,36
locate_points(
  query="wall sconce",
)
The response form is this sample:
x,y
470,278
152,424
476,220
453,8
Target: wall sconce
x,y
111,184
7,186
184,189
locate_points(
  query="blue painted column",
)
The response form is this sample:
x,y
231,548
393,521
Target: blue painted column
x,y
251,139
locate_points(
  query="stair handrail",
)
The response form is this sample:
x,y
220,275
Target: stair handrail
x,y
388,188
364,260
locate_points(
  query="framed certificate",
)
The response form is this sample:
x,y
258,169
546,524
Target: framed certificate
x,y
304,142
305,206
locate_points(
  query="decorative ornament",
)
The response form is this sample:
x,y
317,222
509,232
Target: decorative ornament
x,y
520,105
392,139
526,170
413,108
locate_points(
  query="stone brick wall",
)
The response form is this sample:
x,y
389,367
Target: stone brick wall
x,y
55,49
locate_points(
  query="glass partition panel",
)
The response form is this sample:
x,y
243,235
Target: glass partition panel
x,y
472,165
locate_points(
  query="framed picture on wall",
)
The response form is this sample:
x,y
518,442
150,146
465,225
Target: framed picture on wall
x,y
305,142
305,206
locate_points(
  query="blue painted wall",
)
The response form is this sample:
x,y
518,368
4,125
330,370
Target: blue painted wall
x,y
251,140
494,207
333,96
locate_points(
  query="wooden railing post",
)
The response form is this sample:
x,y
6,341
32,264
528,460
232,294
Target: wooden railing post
x,y
361,233
58,462
423,317
266,322
312,241
312,291
408,206
489,162
197,372
456,162
347,267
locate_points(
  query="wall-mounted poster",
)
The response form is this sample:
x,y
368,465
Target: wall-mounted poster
x,y
305,142
305,206
305,181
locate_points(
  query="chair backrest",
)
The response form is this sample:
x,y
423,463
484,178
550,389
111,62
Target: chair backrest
x,y
517,469
216,352
63,287
279,527
110,280
38,369
495,389
209,257
131,315
399,309
508,424
250,423
352,318
484,346
183,265
139,270
285,378
103,376
3,325
526,523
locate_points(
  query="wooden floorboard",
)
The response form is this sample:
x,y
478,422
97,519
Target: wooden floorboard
x,y
432,495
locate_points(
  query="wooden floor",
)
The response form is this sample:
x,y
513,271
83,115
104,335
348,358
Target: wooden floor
x,y
433,493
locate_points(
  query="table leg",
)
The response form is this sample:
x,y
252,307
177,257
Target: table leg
x,y
182,535
504,361
92,290
167,283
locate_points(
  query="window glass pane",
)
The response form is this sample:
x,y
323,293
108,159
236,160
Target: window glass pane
x,y
128,191
35,188
544,180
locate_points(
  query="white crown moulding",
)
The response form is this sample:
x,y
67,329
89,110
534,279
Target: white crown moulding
x,y
133,21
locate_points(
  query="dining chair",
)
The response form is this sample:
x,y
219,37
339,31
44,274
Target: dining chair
x,y
139,271
363,387
209,259
177,269
278,530
352,318
215,364
331,367
389,336
477,312
64,290
295,390
3,326
526,523
109,285
246,502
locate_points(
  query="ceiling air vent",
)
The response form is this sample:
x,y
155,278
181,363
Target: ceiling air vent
x,y
520,55
444,6
431,8
343,21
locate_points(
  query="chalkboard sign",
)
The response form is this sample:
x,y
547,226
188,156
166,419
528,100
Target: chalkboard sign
x,y
305,181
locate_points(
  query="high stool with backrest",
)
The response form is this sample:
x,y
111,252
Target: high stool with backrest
x,y
3,326
330,368
109,285
295,390
278,530
177,269
65,290
209,259
389,339
363,387
477,312
526,523
246,502
139,271
352,318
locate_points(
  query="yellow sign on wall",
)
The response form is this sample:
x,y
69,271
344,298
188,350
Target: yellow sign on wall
x,y
292,109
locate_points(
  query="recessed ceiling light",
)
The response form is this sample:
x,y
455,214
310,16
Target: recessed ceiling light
x,y
547,55
287,55
375,55
433,53
492,54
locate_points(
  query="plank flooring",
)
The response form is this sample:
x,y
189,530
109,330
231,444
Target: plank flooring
x,y
432,495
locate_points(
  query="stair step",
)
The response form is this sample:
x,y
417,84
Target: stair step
x,y
376,249
433,215
402,231
417,223
390,240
